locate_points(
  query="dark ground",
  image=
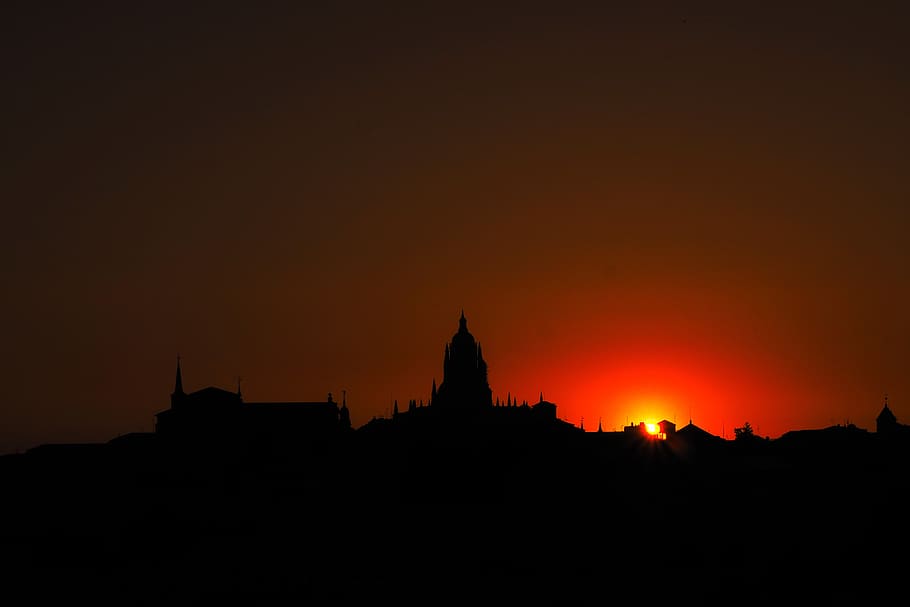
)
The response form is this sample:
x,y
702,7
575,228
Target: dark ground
x,y
372,520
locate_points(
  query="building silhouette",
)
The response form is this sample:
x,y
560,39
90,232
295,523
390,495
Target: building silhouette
x,y
484,498
462,407
464,374
886,422
213,415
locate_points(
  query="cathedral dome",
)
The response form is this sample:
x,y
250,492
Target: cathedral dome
x,y
464,383
463,341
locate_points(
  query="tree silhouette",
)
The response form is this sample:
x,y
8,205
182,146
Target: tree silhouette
x,y
744,432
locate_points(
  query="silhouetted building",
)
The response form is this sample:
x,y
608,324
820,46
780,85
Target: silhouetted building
x,y
662,429
821,440
692,440
639,428
696,435
216,415
544,408
464,384
462,407
886,422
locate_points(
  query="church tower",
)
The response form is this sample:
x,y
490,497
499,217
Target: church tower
x,y
886,421
464,374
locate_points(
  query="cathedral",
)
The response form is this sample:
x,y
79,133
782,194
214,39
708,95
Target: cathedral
x,y
464,374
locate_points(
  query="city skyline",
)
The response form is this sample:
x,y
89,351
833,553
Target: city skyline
x,y
222,400
646,212
461,496
410,302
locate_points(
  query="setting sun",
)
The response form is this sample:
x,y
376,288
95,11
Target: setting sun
x,y
652,428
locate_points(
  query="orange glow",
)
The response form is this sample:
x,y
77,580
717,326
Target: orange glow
x,y
652,428
625,375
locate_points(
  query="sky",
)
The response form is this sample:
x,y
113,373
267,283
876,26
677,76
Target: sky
x,y
684,211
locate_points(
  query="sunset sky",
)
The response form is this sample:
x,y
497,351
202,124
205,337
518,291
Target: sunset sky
x,y
658,211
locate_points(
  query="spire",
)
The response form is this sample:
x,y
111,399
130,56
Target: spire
x,y
541,396
600,427
239,393
344,415
177,396
178,382
462,322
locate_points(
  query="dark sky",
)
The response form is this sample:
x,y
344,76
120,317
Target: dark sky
x,y
661,210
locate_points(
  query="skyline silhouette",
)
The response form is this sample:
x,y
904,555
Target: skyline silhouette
x,y
464,384
464,388
478,499
651,212
412,303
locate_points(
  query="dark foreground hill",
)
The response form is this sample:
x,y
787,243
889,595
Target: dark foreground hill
x,y
384,516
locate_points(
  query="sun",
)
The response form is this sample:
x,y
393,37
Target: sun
x,y
647,409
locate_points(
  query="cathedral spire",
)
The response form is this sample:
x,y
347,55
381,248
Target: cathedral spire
x,y
177,395
178,382
344,415
462,322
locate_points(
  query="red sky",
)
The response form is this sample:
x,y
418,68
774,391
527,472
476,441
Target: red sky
x,y
678,211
